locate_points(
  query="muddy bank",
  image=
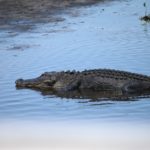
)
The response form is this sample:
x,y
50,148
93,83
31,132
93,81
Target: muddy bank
x,y
23,14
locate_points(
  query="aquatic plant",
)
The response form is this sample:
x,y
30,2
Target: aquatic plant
x,y
146,17
145,5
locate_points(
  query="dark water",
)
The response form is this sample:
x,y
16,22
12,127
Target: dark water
x,y
108,35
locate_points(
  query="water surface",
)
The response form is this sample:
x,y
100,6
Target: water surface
x,y
108,35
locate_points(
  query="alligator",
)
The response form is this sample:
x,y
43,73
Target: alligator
x,y
97,83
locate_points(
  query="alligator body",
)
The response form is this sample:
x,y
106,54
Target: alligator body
x,y
96,83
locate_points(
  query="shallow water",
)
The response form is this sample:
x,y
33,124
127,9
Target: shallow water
x,y
108,35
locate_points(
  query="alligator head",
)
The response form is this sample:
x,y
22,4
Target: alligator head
x,y
45,81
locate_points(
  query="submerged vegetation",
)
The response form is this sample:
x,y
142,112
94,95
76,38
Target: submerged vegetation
x,y
146,17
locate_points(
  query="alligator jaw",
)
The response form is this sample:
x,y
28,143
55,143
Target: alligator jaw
x,y
20,83
29,83
36,83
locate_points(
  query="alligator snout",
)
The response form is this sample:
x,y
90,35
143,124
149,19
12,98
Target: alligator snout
x,y
19,82
24,83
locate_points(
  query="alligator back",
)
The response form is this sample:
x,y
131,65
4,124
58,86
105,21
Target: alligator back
x,y
116,74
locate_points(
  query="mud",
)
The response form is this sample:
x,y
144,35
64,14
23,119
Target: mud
x,y
22,15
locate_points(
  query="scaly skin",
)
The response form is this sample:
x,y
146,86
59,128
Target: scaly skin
x,y
100,82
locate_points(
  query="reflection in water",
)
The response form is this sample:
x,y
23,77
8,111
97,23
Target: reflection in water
x,y
93,95
146,26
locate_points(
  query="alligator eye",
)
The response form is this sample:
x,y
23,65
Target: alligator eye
x,y
44,74
19,81
49,82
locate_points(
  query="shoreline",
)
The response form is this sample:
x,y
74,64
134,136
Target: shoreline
x,y
22,15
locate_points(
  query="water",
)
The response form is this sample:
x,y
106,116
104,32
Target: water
x,y
108,35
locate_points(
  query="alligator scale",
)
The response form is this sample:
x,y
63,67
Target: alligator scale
x,y
98,83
